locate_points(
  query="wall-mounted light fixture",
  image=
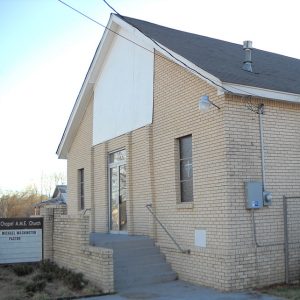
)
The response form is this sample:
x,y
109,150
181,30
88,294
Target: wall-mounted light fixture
x,y
205,104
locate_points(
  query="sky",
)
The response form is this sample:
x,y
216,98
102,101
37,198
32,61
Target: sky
x,y
46,49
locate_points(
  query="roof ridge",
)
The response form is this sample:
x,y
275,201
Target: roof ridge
x,y
199,35
224,60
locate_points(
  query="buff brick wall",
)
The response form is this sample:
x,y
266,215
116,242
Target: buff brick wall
x,y
48,215
226,153
282,167
176,114
79,157
94,160
100,188
139,186
69,247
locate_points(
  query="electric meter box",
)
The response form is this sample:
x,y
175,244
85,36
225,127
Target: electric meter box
x,y
254,194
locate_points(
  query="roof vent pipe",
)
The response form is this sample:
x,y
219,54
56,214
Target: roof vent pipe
x,y
247,46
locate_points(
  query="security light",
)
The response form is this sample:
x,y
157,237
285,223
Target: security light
x,y
205,104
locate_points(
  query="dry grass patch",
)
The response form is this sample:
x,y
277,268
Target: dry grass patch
x,y
291,292
42,281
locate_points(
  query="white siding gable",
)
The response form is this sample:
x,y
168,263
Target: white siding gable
x,y
123,92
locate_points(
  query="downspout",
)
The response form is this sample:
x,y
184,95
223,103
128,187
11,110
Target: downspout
x,y
262,146
267,196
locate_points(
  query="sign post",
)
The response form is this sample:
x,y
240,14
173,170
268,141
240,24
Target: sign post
x,y
21,240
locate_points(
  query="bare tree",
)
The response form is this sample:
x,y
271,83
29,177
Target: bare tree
x,y
49,182
19,204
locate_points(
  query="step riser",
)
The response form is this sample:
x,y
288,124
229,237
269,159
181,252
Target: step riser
x,y
142,260
128,245
151,270
124,253
112,240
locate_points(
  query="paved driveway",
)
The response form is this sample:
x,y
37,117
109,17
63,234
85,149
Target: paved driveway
x,y
180,290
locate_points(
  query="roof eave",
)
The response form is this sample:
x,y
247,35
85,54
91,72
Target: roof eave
x,y
86,90
244,90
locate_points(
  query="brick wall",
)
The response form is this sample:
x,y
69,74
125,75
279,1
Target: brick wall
x,y
282,166
226,153
70,248
48,215
139,185
79,157
176,114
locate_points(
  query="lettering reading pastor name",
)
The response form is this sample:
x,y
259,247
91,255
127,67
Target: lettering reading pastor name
x,y
8,232
26,232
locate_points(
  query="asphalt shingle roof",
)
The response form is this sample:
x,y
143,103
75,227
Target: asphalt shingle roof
x,y
224,59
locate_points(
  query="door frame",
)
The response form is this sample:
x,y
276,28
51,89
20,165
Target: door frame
x,y
109,167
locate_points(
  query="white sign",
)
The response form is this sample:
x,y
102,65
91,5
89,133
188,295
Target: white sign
x,y
200,238
21,240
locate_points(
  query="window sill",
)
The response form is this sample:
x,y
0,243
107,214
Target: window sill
x,y
185,205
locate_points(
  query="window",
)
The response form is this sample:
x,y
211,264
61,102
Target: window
x,y
81,188
118,156
186,168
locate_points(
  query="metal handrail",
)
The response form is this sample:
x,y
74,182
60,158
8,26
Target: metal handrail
x,y
84,212
149,207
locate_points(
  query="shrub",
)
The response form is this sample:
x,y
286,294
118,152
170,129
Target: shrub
x,y
20,282
44,276
23,269
72,280
36,286
75,280
48,267
41,296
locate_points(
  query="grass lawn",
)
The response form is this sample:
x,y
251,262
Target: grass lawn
x,y
42,281
282,290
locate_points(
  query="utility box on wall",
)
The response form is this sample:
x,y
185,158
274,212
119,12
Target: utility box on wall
x,y
254,194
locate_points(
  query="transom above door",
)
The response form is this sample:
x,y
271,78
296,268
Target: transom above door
x,y
117,192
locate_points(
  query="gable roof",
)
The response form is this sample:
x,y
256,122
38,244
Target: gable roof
x,y
215,61
224,60
60,190
59,197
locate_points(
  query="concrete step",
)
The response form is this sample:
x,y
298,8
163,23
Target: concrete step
x,y
145,280
140,260
111,240
138,271
135,252
137,261
140,266
143,243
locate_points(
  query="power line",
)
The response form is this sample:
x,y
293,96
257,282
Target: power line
x,y
79,12
131,41
164,49
249,105
105,27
